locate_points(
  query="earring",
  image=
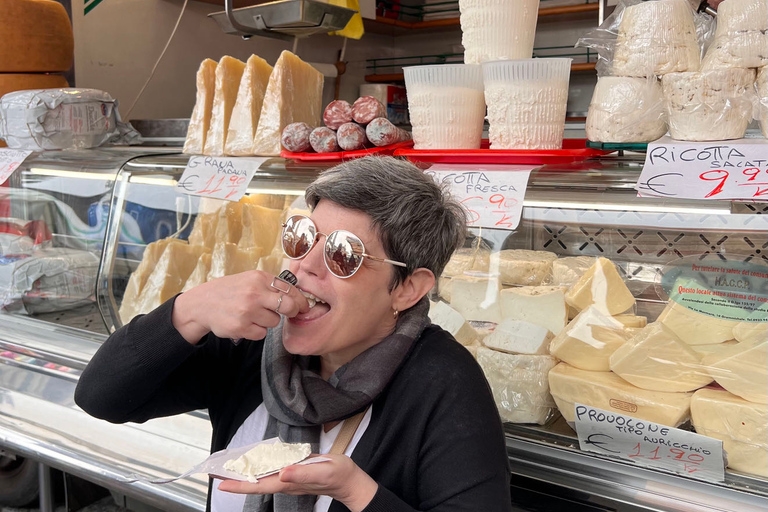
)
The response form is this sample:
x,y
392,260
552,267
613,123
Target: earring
x,y
395,314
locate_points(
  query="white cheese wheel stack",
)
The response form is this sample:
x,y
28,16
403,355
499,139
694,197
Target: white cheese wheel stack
x,y
656,38
446,106
709,105
498,29
626,109
527,102
762,93
741,39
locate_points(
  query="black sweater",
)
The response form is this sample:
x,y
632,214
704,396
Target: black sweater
x,y
434,442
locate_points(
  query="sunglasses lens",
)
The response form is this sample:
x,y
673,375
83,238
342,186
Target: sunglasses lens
x,y
298,236
343,253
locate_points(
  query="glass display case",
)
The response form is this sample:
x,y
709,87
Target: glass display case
x,y
580,304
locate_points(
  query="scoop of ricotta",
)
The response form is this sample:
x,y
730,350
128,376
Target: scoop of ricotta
x,y
266,458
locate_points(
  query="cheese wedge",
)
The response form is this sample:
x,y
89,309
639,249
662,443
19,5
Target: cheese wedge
x,y
245,115
476,298
540,305
519,385
204,230
518,337
696,328
451,320
632,320
467,259
751,331
608,391
742,427
742,369
589,340
200,120
200,274
260,227
602,286
229,72
229,223
522,267
169,275
228,259
657,360
294,94
566,271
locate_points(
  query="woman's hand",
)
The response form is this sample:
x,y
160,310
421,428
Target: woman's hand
x,y
236,306
340,478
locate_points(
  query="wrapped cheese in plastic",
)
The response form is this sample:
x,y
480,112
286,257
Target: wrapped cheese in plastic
x,y
709,105
519,384
49,119
626,109
742,426
762,95
742,369
741,38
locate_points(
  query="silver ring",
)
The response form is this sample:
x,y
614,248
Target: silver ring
x,y
278,280
279,303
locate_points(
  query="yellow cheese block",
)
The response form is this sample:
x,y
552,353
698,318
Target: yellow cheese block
x,y
742,369
260,227
602,286
274,201
229,223
657,360
751,331
10,82
608,391
294,94
200,274
245,115
204,230
589,340
742,426
632,320
229,72
696,328
168,275
228,259
713,348
35,36
200,120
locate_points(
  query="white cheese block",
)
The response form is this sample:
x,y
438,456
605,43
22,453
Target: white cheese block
x,y
657,360
626,109
608,391
467,260
632,320
709,105
518,337
696,328
540,305
519,385
200,274
656,38
602,286
294,94
522,267
168,275
497,29
446,117
589,340
751,331
762,93
742,427
268,457
476,298
245,115
228,259
741,37
451,320
229,72
742,369
200,120
566,271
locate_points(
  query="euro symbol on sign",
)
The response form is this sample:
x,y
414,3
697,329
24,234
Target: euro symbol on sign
x,y
655,182
594,441
188,183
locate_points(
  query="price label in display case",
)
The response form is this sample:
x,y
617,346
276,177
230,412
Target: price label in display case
x,y
492,194
10,160
649,444
219,177
706,170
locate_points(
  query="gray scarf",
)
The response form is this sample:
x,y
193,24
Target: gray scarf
x,y
299,401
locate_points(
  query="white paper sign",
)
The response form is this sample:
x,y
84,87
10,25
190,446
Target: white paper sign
x,y
10,160
218,176
492,194
706,170
649,444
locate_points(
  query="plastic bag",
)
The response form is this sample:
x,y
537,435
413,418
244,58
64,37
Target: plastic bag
x,y
49,119
741,37
762,95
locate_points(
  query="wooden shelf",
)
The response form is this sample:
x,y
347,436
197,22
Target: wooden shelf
x,y
400,77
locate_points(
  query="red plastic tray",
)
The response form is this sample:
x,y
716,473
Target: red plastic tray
x,y
338,156
573,150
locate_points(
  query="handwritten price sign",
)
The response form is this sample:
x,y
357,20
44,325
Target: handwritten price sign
x,y
706,170
650,444
10,160
219,177
492,195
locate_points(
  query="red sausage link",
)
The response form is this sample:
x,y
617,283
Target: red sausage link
x,y
337,113
351,136
323,140
383,133
366,109
296,137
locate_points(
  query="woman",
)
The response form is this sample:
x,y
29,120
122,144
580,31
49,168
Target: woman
x,y
351,339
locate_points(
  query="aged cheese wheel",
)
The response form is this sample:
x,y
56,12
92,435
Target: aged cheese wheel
x,y
10,82
36,36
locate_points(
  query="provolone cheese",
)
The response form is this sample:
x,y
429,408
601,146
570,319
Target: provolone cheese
x,y
36,38
200,120
451,320
589,340
751,331
742,369
696,328
229,73
476,298
245,115
522,267
540,305
632,320
602,286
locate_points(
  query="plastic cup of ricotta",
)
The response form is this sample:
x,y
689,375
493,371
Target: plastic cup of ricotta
x,y
446,105
526,102
498,29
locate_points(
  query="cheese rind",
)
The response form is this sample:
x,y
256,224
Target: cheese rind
x,y
519,337
229,73
476,298
657,360
519,385
294,94
742,369
602,286
608,391
696,328
589,340
200,121
37,38
540,305
741,425
451,320
522,267
245,115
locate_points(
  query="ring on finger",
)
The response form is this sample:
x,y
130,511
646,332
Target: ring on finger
x,y
279,303
278,280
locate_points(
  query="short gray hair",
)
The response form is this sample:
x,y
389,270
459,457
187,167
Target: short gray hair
x,y
416,220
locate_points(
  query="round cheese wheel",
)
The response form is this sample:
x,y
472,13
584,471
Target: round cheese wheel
x,y
10,82
36,37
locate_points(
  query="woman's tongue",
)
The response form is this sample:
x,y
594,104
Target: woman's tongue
x,y
316,312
